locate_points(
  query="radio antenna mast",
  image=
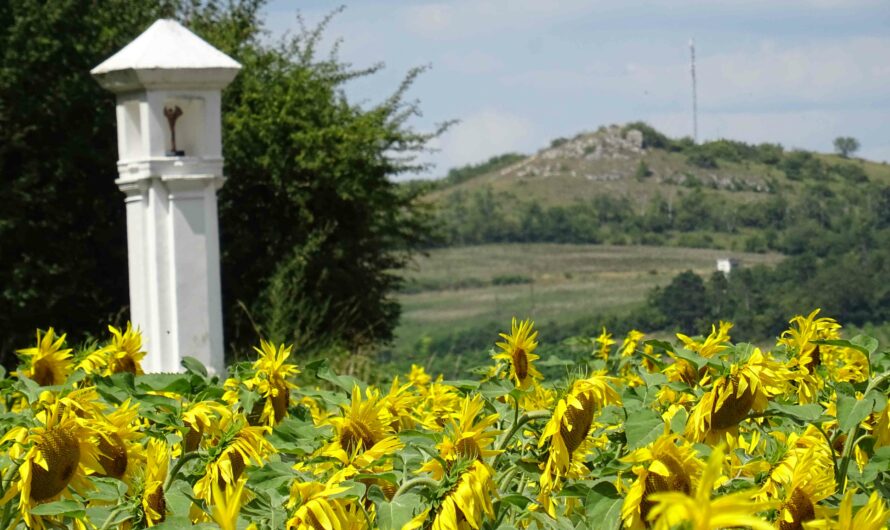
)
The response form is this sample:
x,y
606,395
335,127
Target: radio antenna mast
x,y
694,92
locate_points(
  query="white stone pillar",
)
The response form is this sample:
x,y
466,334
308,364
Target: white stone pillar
x,y
172,225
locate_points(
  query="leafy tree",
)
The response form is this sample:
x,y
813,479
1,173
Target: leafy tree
x,y
62,234
684,302
312,228
846,145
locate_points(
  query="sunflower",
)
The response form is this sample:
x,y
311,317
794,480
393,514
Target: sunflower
x,y
201,418
812,481
119,452
873,516
47,363
605,342
667,464
319,506
364,427
631,341
468,437
239,445
440,402
713,344
125,352
518,351
747,387
402,404
271,380
803,330
418,376
469,503
571,423
58,454
698,511
227,502
803,478
882,427
154,504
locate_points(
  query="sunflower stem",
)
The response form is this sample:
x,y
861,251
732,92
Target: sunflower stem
x,y
110,518
176,467
8,478
525,418
419,481
845,459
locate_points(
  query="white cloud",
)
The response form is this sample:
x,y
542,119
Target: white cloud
x,y
482,135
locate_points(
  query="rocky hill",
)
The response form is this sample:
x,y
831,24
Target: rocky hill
x,y
619,160
633,185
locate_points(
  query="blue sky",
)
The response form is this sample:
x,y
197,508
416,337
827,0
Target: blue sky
x,y
518,73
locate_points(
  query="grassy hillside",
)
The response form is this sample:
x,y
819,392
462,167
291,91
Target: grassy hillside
x,y
632,185
458,289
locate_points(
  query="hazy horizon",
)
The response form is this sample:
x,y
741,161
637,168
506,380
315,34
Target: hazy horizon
x,y
520,73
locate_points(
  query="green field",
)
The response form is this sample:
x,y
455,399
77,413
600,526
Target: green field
x,y
455,288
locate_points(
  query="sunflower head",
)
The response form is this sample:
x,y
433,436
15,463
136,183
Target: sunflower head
x,y
668,464
272,374
517,350
469,436
571,424
468,503
57,454
47,363
154,502
125,351
364,422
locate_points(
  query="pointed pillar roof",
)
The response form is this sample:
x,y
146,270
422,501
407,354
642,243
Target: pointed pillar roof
x,y
166,56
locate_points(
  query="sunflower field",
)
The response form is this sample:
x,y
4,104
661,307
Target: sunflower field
x,y
693,433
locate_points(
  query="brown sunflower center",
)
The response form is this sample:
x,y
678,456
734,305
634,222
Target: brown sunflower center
x,y
520,363
356,436
677,480
125,364
43,373
237,462
735,408
280,401
579,420
815,358
468,448
315,523
192,439
61,450
801,509
156,502
113,455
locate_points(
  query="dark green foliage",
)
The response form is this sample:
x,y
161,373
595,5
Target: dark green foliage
x,y
683,301
846,145
852,172
652,139
62,236
315,169
801,165
642,171
701,157
312,229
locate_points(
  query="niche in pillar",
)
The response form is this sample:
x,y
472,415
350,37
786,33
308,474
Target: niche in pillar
x,y
129,130
183,116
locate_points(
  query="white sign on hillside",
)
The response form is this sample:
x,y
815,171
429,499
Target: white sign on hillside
x,y
168,83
